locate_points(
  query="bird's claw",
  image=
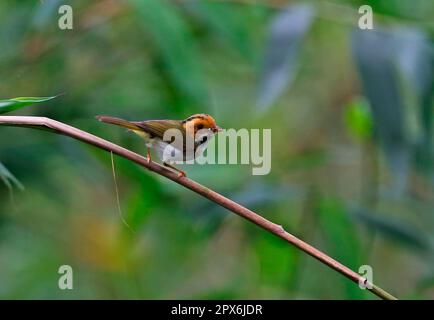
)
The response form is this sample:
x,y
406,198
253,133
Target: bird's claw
x,y
148,157
181,174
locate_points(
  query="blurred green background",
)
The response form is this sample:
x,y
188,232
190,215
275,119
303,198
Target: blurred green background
x,y
352,151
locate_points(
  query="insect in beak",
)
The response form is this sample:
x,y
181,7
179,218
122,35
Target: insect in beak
x,y
216,129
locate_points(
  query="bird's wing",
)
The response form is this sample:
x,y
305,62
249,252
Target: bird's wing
x,y
157,128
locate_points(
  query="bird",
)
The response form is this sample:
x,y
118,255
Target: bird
x,y
200,128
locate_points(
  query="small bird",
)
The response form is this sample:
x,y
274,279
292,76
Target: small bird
x,y
200,128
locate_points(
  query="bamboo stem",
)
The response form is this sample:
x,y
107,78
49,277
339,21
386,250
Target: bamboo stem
x,y
64,129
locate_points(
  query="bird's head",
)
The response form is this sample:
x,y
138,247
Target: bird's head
x,y
199,122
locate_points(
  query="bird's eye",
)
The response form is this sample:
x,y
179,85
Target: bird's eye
x,y
204,139
199,126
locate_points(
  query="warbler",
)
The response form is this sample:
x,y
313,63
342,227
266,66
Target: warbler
x,y
194,133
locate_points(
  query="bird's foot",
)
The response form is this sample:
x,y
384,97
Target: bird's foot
x,y
181,174
148,157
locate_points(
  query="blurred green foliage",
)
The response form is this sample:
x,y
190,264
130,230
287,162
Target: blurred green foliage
x,y
170,59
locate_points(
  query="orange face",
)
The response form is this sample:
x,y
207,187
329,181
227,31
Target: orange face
x,y
201,121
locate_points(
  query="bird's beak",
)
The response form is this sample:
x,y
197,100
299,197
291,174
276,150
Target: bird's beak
x,y
216,129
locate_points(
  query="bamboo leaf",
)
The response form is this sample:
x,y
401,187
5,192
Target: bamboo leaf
x,y
286,33
396,70
395,229
225,21
9,179
415,60
175,42
374,56
10,105
18,103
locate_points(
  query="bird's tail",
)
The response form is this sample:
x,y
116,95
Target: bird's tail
x,y
118,122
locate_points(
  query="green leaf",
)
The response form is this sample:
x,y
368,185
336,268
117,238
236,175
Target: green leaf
x,y
175,42
17,103
8,178
358,119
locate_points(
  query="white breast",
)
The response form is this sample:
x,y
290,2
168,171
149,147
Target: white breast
x,y
167,152
170,153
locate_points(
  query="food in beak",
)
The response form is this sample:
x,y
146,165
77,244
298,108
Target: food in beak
x,y
216,129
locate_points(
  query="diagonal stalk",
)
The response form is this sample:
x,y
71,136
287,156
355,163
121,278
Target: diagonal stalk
x,y
64,129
